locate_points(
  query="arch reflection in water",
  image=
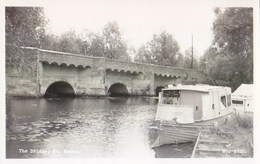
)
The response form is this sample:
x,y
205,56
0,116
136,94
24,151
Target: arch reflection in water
x,y
59,89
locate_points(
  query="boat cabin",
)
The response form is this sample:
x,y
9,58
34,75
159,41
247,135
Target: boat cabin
x,y
242,99
193,103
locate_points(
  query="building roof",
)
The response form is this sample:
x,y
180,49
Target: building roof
x,y
198,87
244,91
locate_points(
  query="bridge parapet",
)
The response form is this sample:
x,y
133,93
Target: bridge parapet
x,y
125,66
158,70
65,58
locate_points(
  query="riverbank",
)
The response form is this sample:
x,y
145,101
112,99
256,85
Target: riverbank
x,y
232,139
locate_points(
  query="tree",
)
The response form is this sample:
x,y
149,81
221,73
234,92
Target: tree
x,y
25,26
190,60
69,42
203,62
114,46
96,47
92,44
143,55
50,42
161,50
180,59
110,44
230,56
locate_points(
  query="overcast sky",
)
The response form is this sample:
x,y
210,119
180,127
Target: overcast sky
x,y
139,20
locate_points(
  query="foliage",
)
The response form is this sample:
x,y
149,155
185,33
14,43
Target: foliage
x,y
92,44
188,60
110,44
69,42
203,62
25,26
50,42
163,49
230,56
244,121
180,58
144,55
96,47
114,46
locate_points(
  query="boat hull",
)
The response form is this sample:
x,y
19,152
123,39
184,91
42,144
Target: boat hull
x,y
175,134
170,132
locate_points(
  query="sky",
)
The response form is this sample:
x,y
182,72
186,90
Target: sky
x,y
138,20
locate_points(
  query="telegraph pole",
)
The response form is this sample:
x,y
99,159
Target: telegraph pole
x,y
191,64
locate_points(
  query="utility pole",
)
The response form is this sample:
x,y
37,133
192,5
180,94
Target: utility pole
x,y
191,64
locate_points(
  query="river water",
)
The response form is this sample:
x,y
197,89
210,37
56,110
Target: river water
x,y
86,127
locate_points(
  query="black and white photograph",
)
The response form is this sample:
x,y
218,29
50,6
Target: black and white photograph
x,y
143,79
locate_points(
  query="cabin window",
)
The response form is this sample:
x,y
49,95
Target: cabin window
x,y
237,102
168,100
223,101
171,93
229,100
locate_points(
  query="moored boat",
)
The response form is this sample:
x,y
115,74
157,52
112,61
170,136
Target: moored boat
x,y
184,110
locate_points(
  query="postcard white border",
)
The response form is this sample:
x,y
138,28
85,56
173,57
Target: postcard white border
x,y
213,3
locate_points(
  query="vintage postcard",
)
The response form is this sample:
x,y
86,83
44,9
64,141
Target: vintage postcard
x,y
130,79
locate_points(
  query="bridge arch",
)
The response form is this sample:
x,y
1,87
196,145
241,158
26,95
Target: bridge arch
x,y
118,89
59,89
158,90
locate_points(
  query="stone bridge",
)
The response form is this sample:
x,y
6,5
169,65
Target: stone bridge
x,y
51,72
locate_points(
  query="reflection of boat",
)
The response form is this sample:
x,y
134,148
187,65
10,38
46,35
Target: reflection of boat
x,y
183,110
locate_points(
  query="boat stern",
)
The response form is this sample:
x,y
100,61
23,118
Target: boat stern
x,y
182,114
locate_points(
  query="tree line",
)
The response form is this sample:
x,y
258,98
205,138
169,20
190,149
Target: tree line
x,y
229,58
25,28
109,43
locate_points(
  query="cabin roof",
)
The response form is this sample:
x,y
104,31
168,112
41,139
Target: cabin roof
x,y
198,88
244,91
